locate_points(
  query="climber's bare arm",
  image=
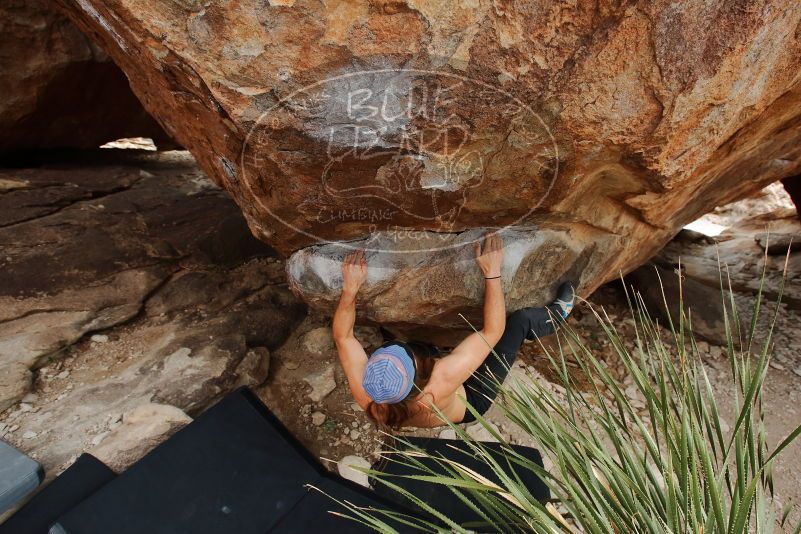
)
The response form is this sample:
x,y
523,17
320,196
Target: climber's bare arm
x,y
351,354
451,371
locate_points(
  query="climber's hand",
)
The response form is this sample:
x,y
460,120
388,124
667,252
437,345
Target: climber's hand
x,y
354,272
490,256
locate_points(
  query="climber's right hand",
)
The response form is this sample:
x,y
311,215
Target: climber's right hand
x,y
354,272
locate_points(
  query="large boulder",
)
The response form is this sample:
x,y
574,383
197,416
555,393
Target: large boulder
x,y
596,129
59,89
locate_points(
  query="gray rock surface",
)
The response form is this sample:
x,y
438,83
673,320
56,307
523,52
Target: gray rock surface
x,y
318,418
87,248
15,381
322,382
703,304
481,433
410,285
346,469
779,244
142,429
735,258
254,367
189,303
318,340
447,433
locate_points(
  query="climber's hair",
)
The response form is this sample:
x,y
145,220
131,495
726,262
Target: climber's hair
x,y
392,416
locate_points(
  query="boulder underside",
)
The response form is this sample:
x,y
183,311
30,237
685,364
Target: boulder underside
x,y
592,131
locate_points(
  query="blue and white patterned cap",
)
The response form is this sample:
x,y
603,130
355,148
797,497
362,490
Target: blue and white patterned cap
x,y
389,374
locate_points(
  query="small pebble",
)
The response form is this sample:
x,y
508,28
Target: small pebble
x,y
63,374
724,426
28,434
99,338
346,469
638,404
318,418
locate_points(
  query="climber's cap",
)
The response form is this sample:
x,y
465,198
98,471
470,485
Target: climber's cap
x,y
389,374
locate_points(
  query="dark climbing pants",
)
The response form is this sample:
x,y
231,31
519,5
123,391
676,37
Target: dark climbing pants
x,y
526,323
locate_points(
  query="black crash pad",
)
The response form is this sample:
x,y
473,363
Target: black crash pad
x,y
441,498
85,476
234,469
237,469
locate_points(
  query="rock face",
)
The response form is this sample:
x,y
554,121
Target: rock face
x,y
743,256
703,304
421,283
160,259
59,89
596,129
346,469
140,430
87,249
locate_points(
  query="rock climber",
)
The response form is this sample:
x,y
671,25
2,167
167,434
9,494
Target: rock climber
x,y
399,383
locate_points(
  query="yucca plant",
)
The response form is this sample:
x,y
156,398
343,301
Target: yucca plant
x,y
670,467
